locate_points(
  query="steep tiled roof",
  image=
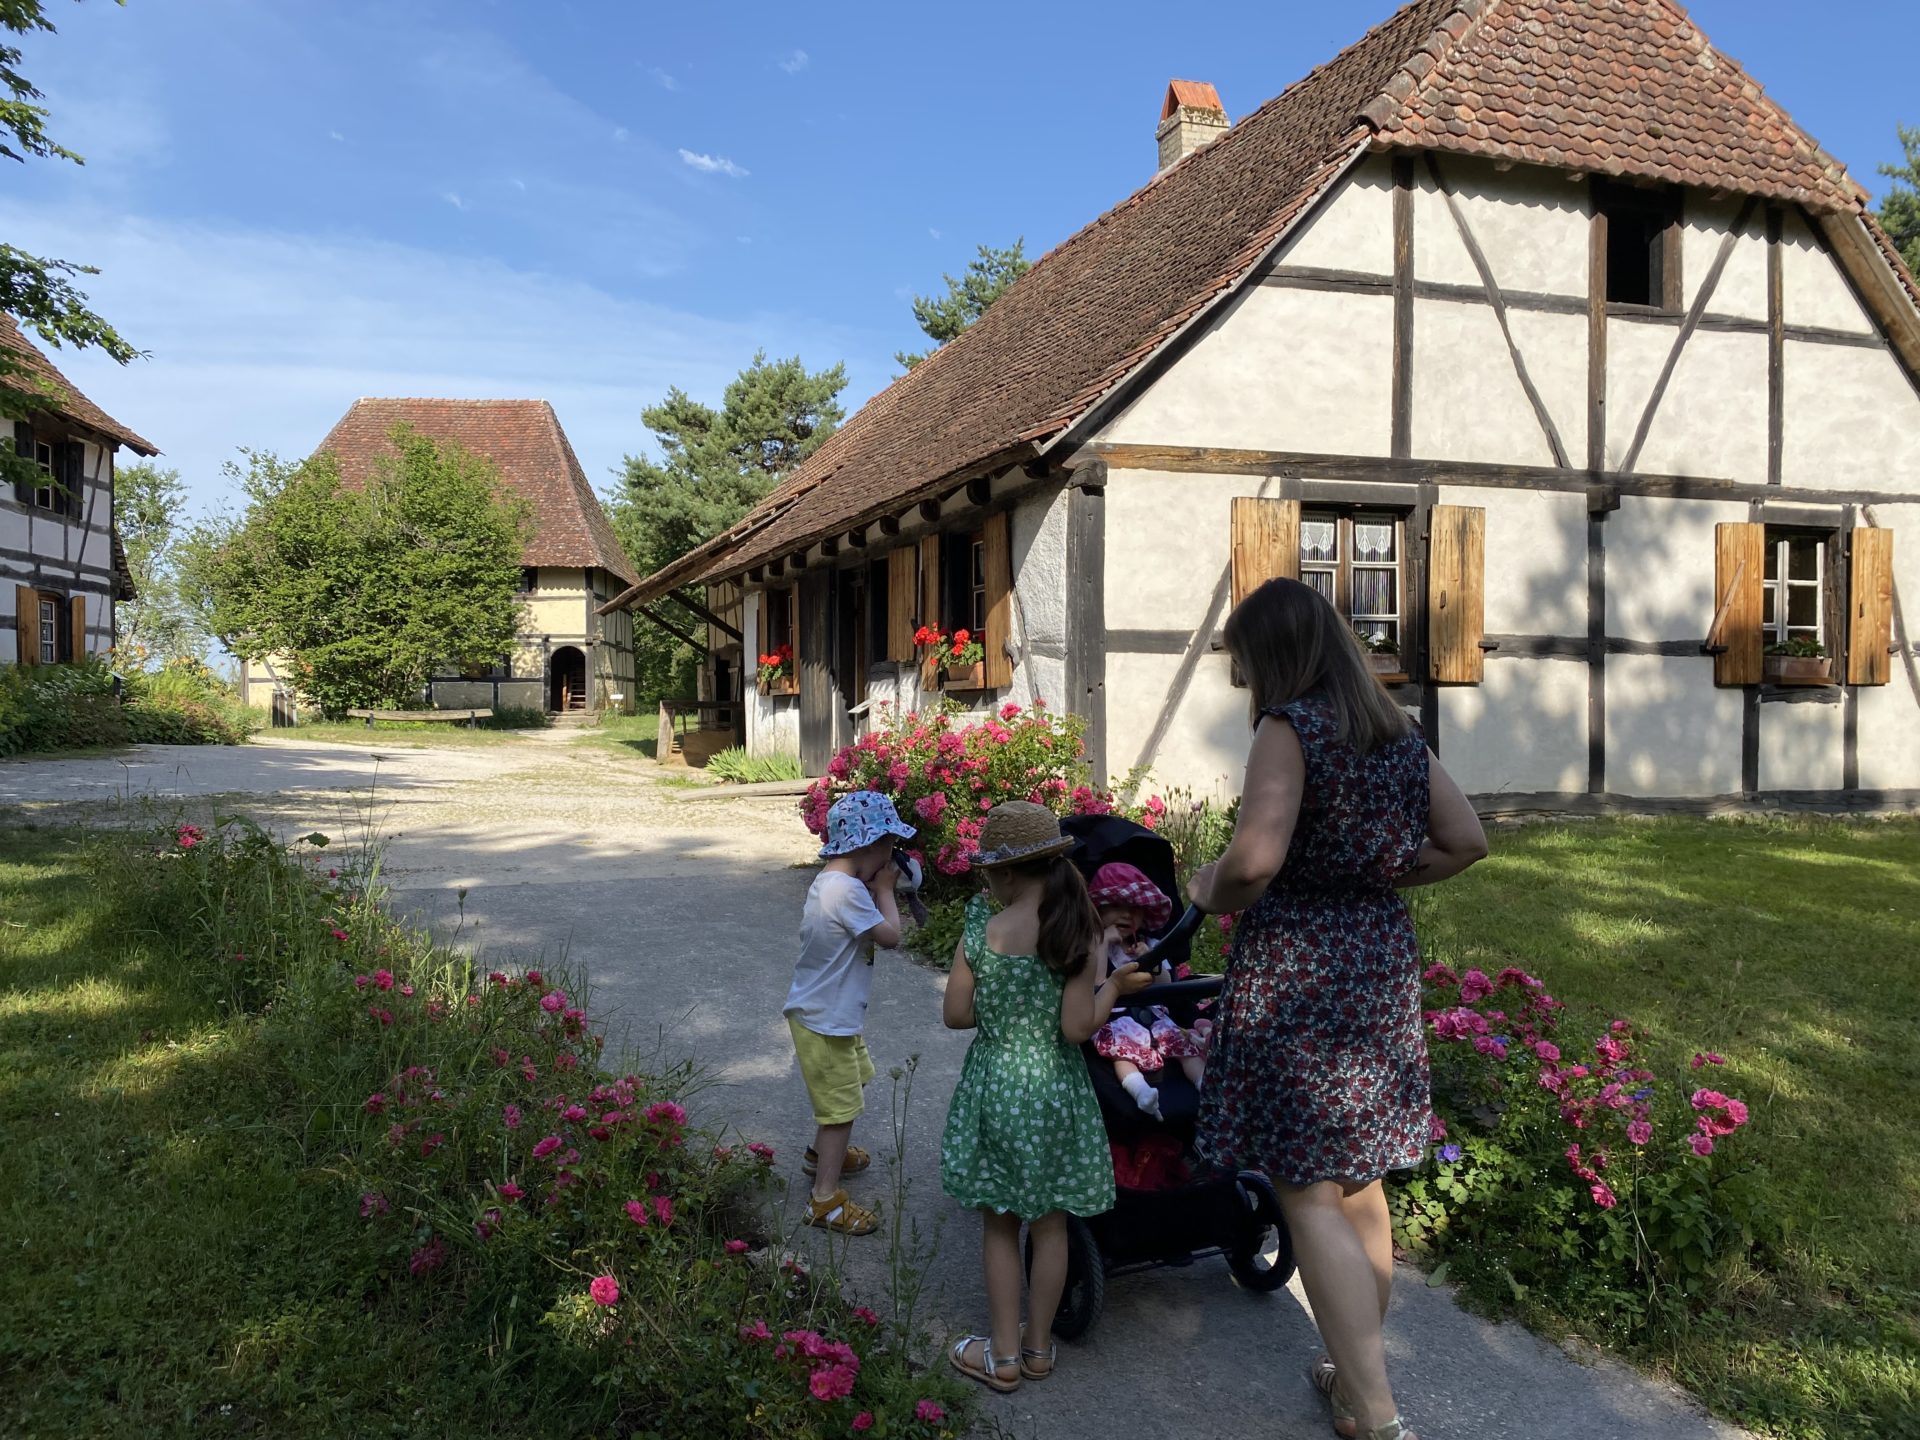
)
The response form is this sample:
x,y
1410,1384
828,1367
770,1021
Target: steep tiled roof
x,y
1620,87
66,399
524,440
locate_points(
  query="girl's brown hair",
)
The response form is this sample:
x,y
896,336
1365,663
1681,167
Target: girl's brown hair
x,y
1069,925
1288,641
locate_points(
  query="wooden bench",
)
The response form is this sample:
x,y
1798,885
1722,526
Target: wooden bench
x,y
472,717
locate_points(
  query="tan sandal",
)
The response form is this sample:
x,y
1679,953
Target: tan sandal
x,y
841,1215
1394,1429
1033,1372
1326,1380
856,1161
988,1374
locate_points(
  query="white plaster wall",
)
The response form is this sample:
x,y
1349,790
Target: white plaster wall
x,y
1888,717
1039,539
1468,403
1712,420
1742,290
1815,291
1852,420
1530,224
1660,568
1801,747
1669,730
1282,370
773,721
1524,729
1205,749
1536,572
1169,540
1353,229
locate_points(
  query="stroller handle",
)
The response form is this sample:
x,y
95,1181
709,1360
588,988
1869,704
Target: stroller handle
x,y
1182,931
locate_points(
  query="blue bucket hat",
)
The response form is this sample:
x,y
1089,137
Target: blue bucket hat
x,y
859,819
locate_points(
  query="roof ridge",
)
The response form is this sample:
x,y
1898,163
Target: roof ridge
x,y
1407,77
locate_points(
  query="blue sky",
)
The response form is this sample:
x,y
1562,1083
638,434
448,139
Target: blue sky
x,y
297,204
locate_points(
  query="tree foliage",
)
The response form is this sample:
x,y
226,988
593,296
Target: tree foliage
x,y
1900,212
146,506
715,465
364,591
987,277
36,290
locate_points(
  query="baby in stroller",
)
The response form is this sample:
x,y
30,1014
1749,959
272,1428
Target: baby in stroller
x,y
1145,1038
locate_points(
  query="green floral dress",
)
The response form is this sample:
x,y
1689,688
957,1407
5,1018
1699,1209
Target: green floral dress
x,y
1024,1135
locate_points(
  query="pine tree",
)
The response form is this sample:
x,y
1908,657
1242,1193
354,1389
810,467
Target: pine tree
x,y
967,298
1900,212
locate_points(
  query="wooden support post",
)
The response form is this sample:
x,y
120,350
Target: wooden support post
x,y
1402,306
1087,620
979,491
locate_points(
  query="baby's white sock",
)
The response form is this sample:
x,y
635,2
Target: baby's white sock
x,y
1144,1095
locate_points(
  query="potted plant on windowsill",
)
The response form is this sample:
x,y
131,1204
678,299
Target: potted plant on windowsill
x,y
1797,662
1383,655
776,672
957,661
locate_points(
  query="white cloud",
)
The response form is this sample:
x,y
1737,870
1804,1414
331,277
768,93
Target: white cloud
x,y
933,232
796,62
662,78
263,339
452,197
336,135
714,164
519,184
620,133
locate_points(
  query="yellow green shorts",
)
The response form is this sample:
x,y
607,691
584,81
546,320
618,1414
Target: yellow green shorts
x,y
836,1069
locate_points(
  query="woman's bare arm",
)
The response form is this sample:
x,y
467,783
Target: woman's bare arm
x,y
1454,837
1269,810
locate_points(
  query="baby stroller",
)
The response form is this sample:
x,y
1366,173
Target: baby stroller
x,y
1232,1215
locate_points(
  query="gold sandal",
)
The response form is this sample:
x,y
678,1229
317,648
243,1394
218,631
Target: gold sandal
x,y
989,1373
1324,1379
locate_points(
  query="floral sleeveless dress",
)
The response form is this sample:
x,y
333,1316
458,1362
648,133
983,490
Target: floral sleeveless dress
x,y
1024,1135
1319,1061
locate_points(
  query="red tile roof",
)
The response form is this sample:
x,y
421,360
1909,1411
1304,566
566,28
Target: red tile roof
x,y
1194,95
524,440
66,399
1617,87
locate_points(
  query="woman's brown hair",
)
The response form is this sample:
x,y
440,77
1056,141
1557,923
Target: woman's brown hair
x,y
1069,925
1288,641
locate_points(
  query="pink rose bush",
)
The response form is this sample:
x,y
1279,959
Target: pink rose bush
x,y
1572,1167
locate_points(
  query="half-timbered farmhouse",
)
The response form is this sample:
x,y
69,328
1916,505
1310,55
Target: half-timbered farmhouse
x,y
1531,332
570,657
61,567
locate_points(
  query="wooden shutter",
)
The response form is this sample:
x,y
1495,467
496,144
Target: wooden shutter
x,y
23,447
1266,543
903,595
997,553
1456,561
929,600
26,624
77,639
1870,592
1739,588
790,597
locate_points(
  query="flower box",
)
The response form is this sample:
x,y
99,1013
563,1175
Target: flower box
x,y
1797,669
964,677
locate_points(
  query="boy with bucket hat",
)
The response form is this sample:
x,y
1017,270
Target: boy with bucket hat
x,y
850,909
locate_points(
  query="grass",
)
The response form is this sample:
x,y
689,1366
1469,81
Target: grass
x,y
1792,947
624,735
401,735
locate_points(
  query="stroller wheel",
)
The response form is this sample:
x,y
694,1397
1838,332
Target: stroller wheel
x,y
1086,1290
1261,1254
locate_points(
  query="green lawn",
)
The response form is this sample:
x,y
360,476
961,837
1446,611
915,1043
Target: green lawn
x,y
1792,947
628,735
401,735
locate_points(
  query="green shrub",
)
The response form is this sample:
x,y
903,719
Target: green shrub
x,y
59,707
517,717
738,767
185,703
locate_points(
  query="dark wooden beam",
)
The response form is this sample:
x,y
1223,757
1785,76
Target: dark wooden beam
x,y
1776,347
776,568
1596,335
979,491
857,537
798,560
1402,442
1086,666
1202,460
889,525
930,511
704,613
756,575
672,629
830,547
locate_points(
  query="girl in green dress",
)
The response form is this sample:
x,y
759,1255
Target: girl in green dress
x,y
1024,1140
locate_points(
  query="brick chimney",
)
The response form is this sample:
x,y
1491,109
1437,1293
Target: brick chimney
x,y
1191,117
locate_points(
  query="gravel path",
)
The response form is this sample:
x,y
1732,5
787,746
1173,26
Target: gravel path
x,y
682,917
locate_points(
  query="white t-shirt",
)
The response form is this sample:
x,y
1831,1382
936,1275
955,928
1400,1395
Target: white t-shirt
x,y
832,978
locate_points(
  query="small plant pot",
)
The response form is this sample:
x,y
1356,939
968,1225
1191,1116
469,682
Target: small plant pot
x,y
965,677
1797,669
1382,663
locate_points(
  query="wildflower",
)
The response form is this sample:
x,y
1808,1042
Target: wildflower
x,y
1708,1059
1639,1131
340,935
553,1002
429,1256
486,1225
1708,1099
756,1331
373,1203
511,1193
832,1382
1474,985
736,1247
382,979
865,1316
637,1212
566,1061
573,1114
863,1421
1702,1144
1602,1196
1450,1154
188,836
605,1290
1436,1128
546,1147
406,990
663,1209
431,1143
666,1112
1440,975
761,1152
527,1071
928,1413
385,1017
510,1114
374,1103
1547,1050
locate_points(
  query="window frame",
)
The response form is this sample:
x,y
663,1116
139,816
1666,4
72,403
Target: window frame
x,y
1344,564
47,496
963,582
782,609
1776,592
1659,214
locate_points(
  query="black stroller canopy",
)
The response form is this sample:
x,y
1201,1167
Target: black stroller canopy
x,y
1113,839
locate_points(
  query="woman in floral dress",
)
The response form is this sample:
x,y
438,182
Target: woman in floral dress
x,y
1318,1073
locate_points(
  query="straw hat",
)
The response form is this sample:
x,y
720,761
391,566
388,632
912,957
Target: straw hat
x,y
1018,831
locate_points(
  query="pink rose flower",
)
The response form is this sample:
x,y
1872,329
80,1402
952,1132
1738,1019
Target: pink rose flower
x,y
637,1212
511,1192
663,1209
1702,1144
546,1147
1639,1131
553,1002
863,1421
736,1247
928,1413
605,1290
381,978
666,1112
1474,985
1602,1196
511,1115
